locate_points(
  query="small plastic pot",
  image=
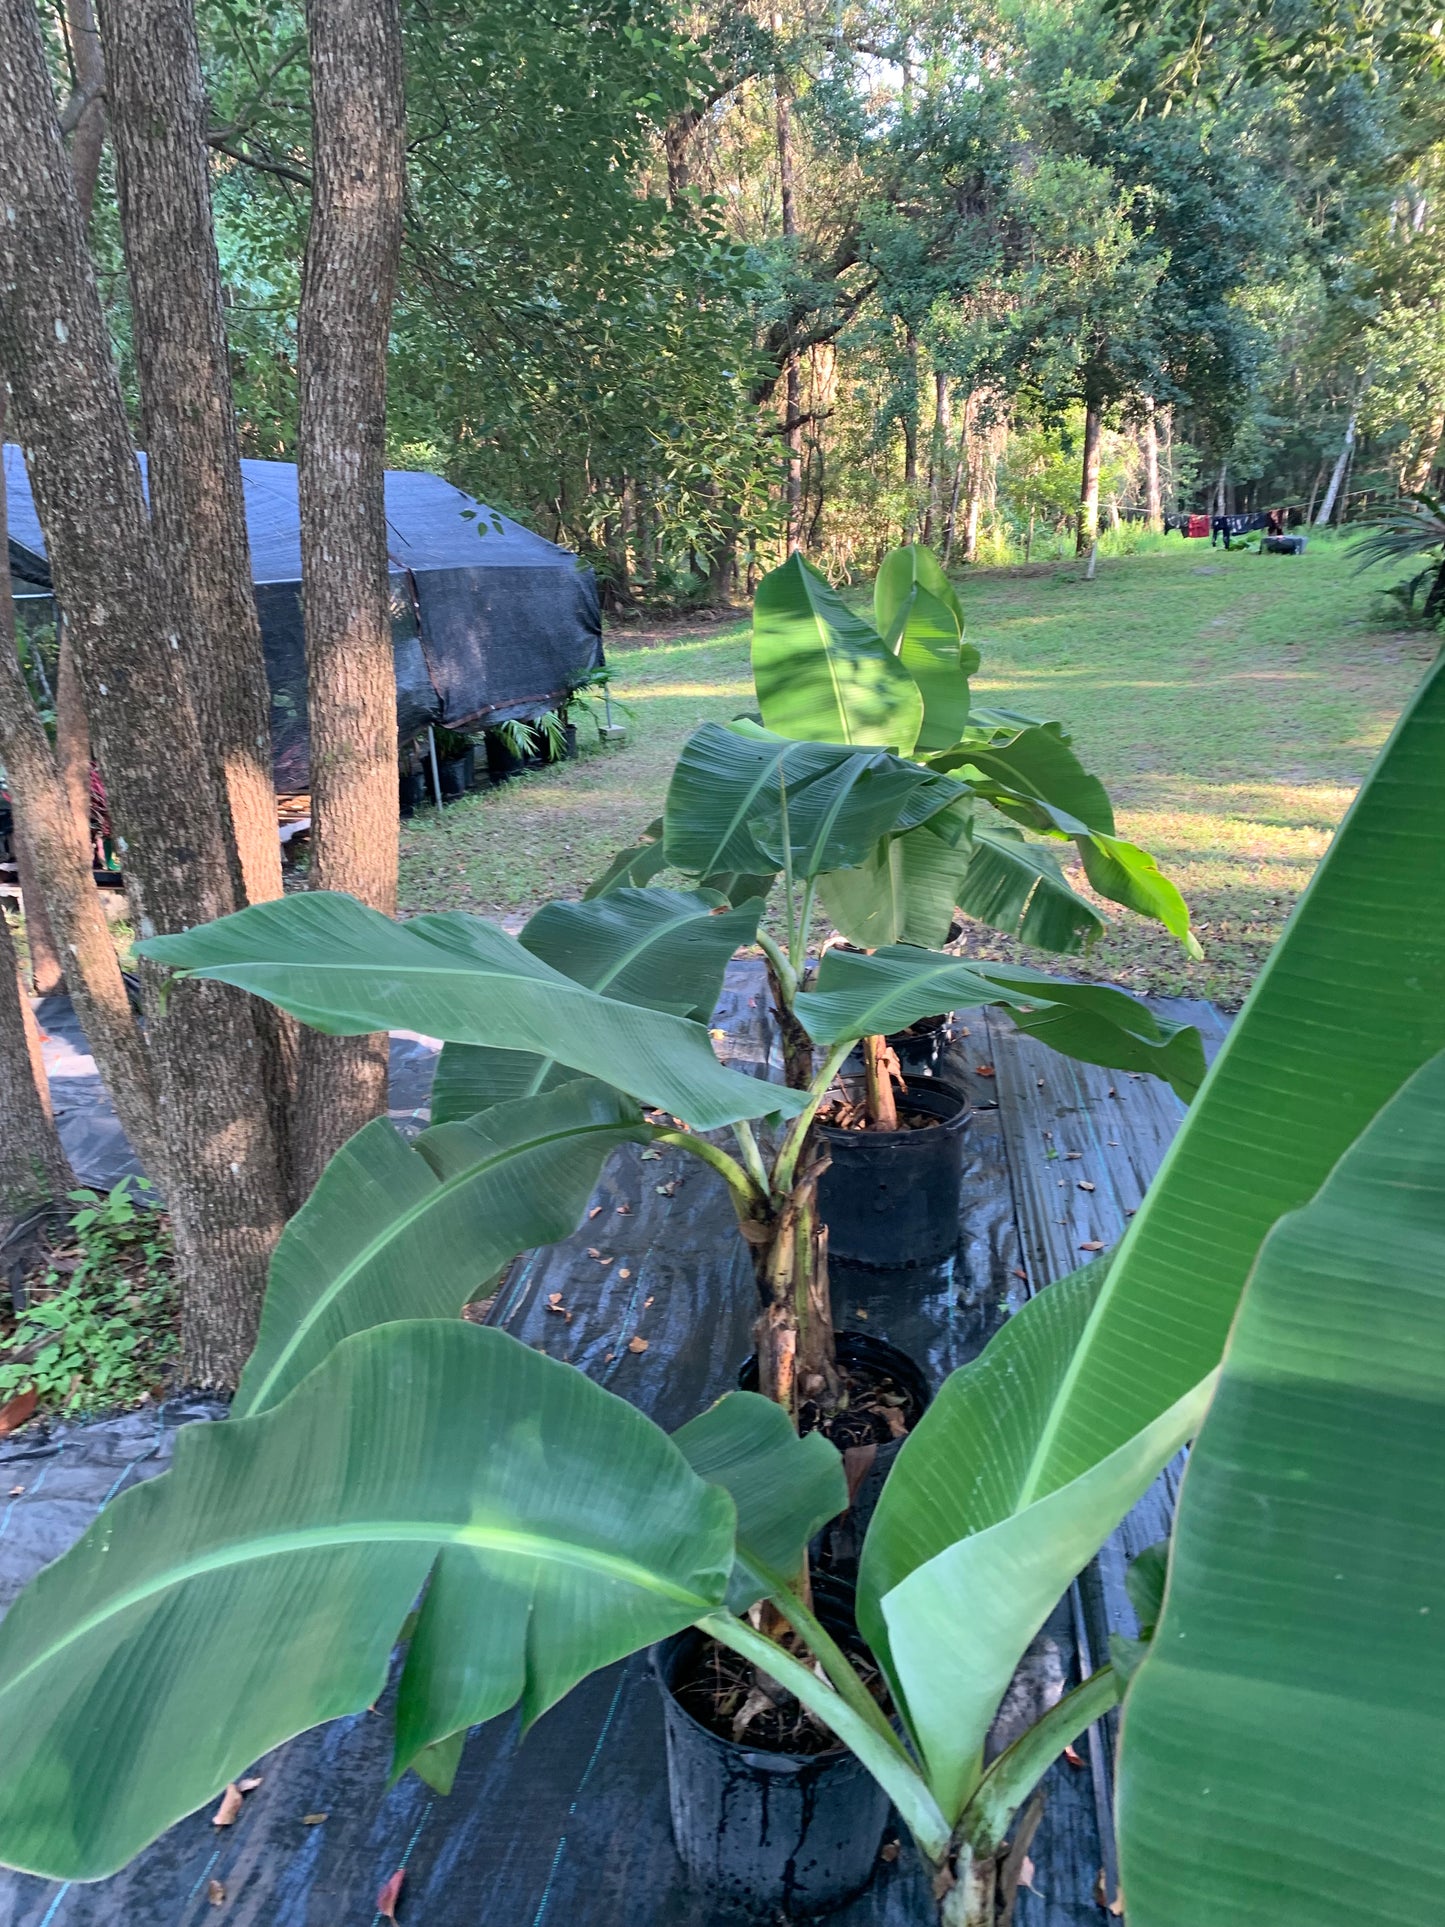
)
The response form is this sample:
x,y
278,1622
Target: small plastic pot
x,y
890,1198
457,774
413,791
774,1835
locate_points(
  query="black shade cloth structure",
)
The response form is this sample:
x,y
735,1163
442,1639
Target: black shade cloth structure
x,y
490,621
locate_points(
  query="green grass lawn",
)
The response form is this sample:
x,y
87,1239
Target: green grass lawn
x,y
1231,703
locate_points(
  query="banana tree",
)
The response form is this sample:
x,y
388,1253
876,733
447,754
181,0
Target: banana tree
x,y
617,988
259,1586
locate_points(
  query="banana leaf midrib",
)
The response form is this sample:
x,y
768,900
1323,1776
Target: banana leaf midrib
x,y
411,1531
397,1226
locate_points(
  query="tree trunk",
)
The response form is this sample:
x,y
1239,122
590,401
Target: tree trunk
x,y
910,437
1149,439
1088,530
88,105
938,456
1220,498
72,739
1420,464
348,283
62,862
793,387
951,523
45,968
219,1168
33,1168
1337,477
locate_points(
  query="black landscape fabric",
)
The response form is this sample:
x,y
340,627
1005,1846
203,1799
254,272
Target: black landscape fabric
x,y
489,620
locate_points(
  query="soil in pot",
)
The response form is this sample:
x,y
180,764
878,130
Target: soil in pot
x,y
781,1822
884,1394
890,1199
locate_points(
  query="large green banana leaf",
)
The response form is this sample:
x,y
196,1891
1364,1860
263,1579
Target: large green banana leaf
x,y
859,996
901,574
346,969
258,1587
1283,1761
783,1489
822,672
1350,1003
1017,887
921,618
908,888
1036,765
740,798
665,949
396,1230
964,1560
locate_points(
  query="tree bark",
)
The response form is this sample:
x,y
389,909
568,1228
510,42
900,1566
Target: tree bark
x,y
1088,529
1337,476
72,739
793,387
88,138
348,284
219,1168
46,973
33,1168
62,863
1420,464
1149,439
198,515
910,437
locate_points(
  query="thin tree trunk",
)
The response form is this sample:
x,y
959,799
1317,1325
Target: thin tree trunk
x,y
1149,439
910,438
218,1169
1088,529
1337,476
347,288
938,455
951,524
793,387
88,106
1220,485
1314,492
72,738
33,1168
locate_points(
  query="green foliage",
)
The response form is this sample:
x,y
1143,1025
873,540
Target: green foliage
x,y
1284,1729
100,1330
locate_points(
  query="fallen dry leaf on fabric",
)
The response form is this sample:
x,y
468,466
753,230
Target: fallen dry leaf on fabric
x,y
1093,1244
1027,1870
386,1900
249,1786
1021,1274
593,1252
1073,1756
231,1804
654,1156
1072,1154
637,1344
15,1491
595,1212
860,1313
624,1210
645,1303
889,1850
1084,1185
15,1411
1101,1895
215,1893
314,1819
624,1273
668,1190
984,1070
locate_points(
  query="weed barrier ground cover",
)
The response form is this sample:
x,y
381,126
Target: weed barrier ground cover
x,y
653,1298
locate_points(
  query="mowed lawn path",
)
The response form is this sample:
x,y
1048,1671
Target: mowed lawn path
x,y
1231,703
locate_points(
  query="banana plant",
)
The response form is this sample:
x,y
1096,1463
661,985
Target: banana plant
x,y
261,1584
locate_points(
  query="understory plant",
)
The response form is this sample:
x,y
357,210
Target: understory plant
x,y
1414,528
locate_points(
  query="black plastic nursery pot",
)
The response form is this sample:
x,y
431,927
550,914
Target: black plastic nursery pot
x,y
457,774
890,1198
774,1835
413,791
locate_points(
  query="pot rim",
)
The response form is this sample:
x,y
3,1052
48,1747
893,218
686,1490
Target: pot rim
x,y
919,1086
